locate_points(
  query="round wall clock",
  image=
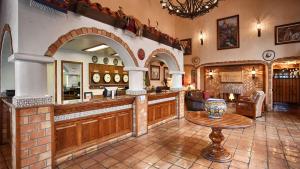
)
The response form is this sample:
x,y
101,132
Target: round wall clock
x,y
105,60
115,61
95,59
107,78
125,78
268,55
141,54
117,78
96,77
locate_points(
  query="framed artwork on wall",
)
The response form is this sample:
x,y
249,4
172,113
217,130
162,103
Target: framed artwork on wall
x,y
187,46
166,73
154,72
194,76
228,36
288,33
88,95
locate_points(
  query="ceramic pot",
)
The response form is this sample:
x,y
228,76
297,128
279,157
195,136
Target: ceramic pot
x,y
215,108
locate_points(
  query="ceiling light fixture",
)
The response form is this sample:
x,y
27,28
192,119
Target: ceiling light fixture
x,y
189,8
96,48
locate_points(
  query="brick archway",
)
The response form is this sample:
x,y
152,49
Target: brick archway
x,y
88,31
165,52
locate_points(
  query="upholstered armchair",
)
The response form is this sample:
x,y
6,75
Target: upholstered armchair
x,y
194,100
252,106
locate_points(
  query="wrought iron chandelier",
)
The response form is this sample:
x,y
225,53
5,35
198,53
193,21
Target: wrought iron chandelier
x,y
189,8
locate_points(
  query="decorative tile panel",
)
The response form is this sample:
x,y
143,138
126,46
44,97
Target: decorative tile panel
x,y
23,101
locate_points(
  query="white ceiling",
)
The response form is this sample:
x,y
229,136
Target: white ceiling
x,y
87,41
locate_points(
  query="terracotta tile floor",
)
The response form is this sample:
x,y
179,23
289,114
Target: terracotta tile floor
x,y
274,143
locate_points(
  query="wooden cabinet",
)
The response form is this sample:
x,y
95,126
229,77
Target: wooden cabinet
x,y
161,111
73,136
286,91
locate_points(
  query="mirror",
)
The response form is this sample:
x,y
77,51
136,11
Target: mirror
x,y
71,81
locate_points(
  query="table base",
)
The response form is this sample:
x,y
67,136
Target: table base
x,y
216,152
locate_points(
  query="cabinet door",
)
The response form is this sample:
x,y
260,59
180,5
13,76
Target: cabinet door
x,y
65,136
124,121
173,108
107,125
90,130
165,110
151,114
158,112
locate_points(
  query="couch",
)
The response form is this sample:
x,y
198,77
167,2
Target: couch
x,y
195,100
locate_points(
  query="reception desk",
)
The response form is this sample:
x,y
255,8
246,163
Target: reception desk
x,y
83,125
161,106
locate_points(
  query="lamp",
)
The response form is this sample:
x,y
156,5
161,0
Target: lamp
x,y
231,96
201,38
258,26
210,74
253,72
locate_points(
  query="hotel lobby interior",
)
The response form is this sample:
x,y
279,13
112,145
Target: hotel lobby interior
x,y
149,84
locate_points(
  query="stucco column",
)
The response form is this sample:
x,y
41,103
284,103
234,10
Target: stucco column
x,y
269,93
176,80
136,80
30,79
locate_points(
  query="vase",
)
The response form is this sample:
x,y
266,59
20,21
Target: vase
x,y
215,108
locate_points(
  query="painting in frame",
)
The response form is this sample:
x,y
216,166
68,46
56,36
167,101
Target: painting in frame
x,y
154,72
287,33
187,46
166,73
228,33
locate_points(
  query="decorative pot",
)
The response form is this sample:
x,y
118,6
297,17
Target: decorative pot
x,y
215,108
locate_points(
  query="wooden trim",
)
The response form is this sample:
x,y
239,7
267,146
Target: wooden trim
x,y
52,136
161,96
55,76
61,77
231,63
238,33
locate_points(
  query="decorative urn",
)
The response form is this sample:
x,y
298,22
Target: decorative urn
x,y
215,108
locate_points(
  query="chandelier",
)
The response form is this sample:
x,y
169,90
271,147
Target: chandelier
x,y
189,8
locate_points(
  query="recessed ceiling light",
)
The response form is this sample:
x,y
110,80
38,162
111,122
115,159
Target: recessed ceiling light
x,y
96,48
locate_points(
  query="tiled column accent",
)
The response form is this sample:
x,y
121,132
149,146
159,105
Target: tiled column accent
x,y
140,117
269,94
33,136
180,103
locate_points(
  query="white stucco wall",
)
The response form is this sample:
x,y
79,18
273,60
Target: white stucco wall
x,y
40,29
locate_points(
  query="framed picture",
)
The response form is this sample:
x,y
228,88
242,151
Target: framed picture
x,y
187,46
166,73
288,33
88,95
194,76
228,33
154,72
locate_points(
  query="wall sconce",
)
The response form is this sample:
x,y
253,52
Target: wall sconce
x,y
231,96
253,72
258,26
210,74
201,38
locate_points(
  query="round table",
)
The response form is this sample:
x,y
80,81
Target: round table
x,y
215,151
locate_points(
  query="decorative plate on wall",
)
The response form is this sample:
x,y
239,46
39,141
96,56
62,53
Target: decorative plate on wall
x,y
115,61
96,78
117,78
107,78
105,60
195,60
125,78
141,54
94,59
268,55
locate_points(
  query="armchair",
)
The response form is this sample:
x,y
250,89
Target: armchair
x,y
251,107
195,100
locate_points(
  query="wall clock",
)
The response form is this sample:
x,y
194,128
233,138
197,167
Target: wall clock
x,y
96,77
94,59
117,78
268,55
107,78
141,54
105,60
125,78
115,61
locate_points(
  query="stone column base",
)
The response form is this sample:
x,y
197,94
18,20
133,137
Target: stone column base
x,y
141,115
180,102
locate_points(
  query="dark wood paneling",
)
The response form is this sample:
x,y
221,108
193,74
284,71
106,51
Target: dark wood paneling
x,y
286,91
161,111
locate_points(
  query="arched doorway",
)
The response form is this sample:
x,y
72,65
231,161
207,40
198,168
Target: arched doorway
x,y
78,53
7,69
161,63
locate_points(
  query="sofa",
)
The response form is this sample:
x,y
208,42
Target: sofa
x,y
195,100
252,106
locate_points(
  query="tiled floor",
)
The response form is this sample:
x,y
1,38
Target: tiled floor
x,y
274,143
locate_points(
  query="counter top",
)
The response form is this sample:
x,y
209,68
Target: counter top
x,y
166,94
93,104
